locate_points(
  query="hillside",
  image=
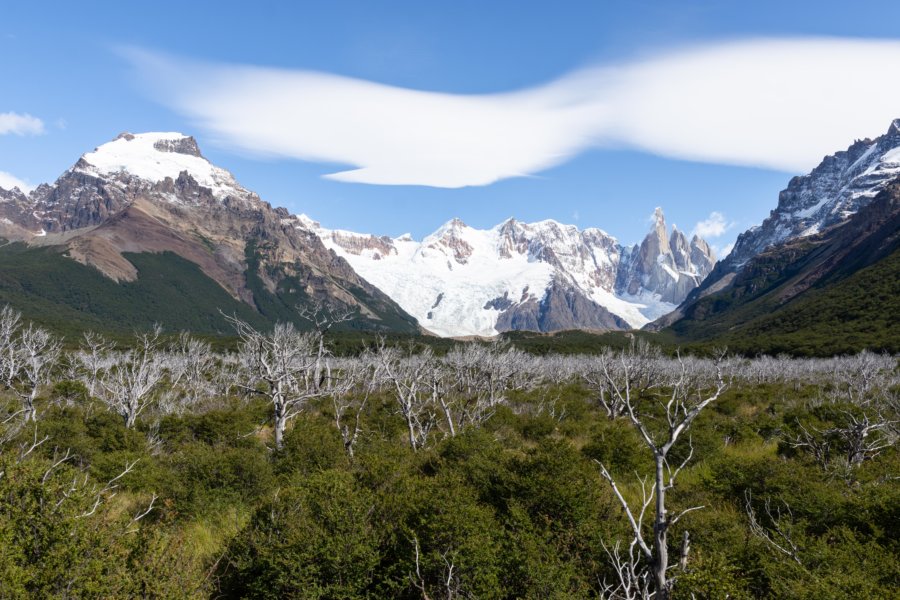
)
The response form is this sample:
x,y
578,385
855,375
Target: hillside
x,y
830,293
144,229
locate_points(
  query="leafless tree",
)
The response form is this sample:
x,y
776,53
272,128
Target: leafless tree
x,y
10,323
778,535
472,380
128,388
451,587
91,359
28,356
651,390
39,354
323,319
189,362
281,366
360,378
409,378
859,438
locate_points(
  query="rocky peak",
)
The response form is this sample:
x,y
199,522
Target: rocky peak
x,y
681,254
894,129
703,258
146,159
186,145
837,188
665,265
452,237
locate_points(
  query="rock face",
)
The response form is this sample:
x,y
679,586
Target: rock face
x,y
833,191
668,266
155,192
834,292
809,210
543,276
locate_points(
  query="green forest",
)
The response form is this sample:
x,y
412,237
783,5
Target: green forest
x,y
163,469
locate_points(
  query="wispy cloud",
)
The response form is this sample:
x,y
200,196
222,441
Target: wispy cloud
x,y
774,103
724,251
20,124
715,225
9,181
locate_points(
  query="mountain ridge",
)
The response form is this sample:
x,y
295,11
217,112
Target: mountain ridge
x,y
834,236
543,276
154,192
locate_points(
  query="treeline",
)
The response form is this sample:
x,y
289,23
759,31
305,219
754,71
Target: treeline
x,y
164,469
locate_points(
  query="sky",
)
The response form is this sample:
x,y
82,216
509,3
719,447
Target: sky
x,y
394,117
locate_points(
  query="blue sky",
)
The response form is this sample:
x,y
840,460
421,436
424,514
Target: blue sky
x,y
73,66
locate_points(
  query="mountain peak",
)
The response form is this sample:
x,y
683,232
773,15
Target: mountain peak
x,y
827,196
658,217
155,156
894,129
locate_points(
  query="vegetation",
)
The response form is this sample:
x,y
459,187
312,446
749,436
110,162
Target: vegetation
x,y
844,313
68,297
483,472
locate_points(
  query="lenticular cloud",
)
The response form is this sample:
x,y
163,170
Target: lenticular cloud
x,y
773,103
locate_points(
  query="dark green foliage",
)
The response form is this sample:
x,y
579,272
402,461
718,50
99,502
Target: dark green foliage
x,y
314,540
841,314
61,294
517,507
290,294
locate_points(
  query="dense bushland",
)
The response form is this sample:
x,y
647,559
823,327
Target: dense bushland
x,y
154,471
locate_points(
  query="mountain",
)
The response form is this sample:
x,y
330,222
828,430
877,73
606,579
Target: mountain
x,y
150,205
544,276
843,183
820,275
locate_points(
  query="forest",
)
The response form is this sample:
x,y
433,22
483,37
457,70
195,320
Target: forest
x,y
162,468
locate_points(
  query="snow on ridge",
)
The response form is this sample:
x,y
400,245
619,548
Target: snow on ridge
x,y
139,155
449,280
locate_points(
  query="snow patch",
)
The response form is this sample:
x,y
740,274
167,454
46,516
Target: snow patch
x,y
516,261
139,156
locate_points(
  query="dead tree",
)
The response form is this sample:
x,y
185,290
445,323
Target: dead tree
x,y
859,438
360,379
408,376
129,387
674,392
778,534
189,362
472,380
39,352
28,356
280,366
91,359
323,320
10,323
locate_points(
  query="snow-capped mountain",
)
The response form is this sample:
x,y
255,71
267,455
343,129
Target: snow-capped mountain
x,y
812,212
833,191
542,276
156,193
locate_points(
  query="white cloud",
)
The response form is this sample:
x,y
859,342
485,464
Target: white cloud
x,y
715,225
20,124
773,103
725,250
9,181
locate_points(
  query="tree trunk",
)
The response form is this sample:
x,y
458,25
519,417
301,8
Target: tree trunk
x,y
660,526
412,433
279,427
30,413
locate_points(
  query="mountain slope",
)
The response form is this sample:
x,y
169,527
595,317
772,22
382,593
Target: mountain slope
x,y
155,193
833,292
543,276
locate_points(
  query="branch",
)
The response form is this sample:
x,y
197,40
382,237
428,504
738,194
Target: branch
x,y
635,524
